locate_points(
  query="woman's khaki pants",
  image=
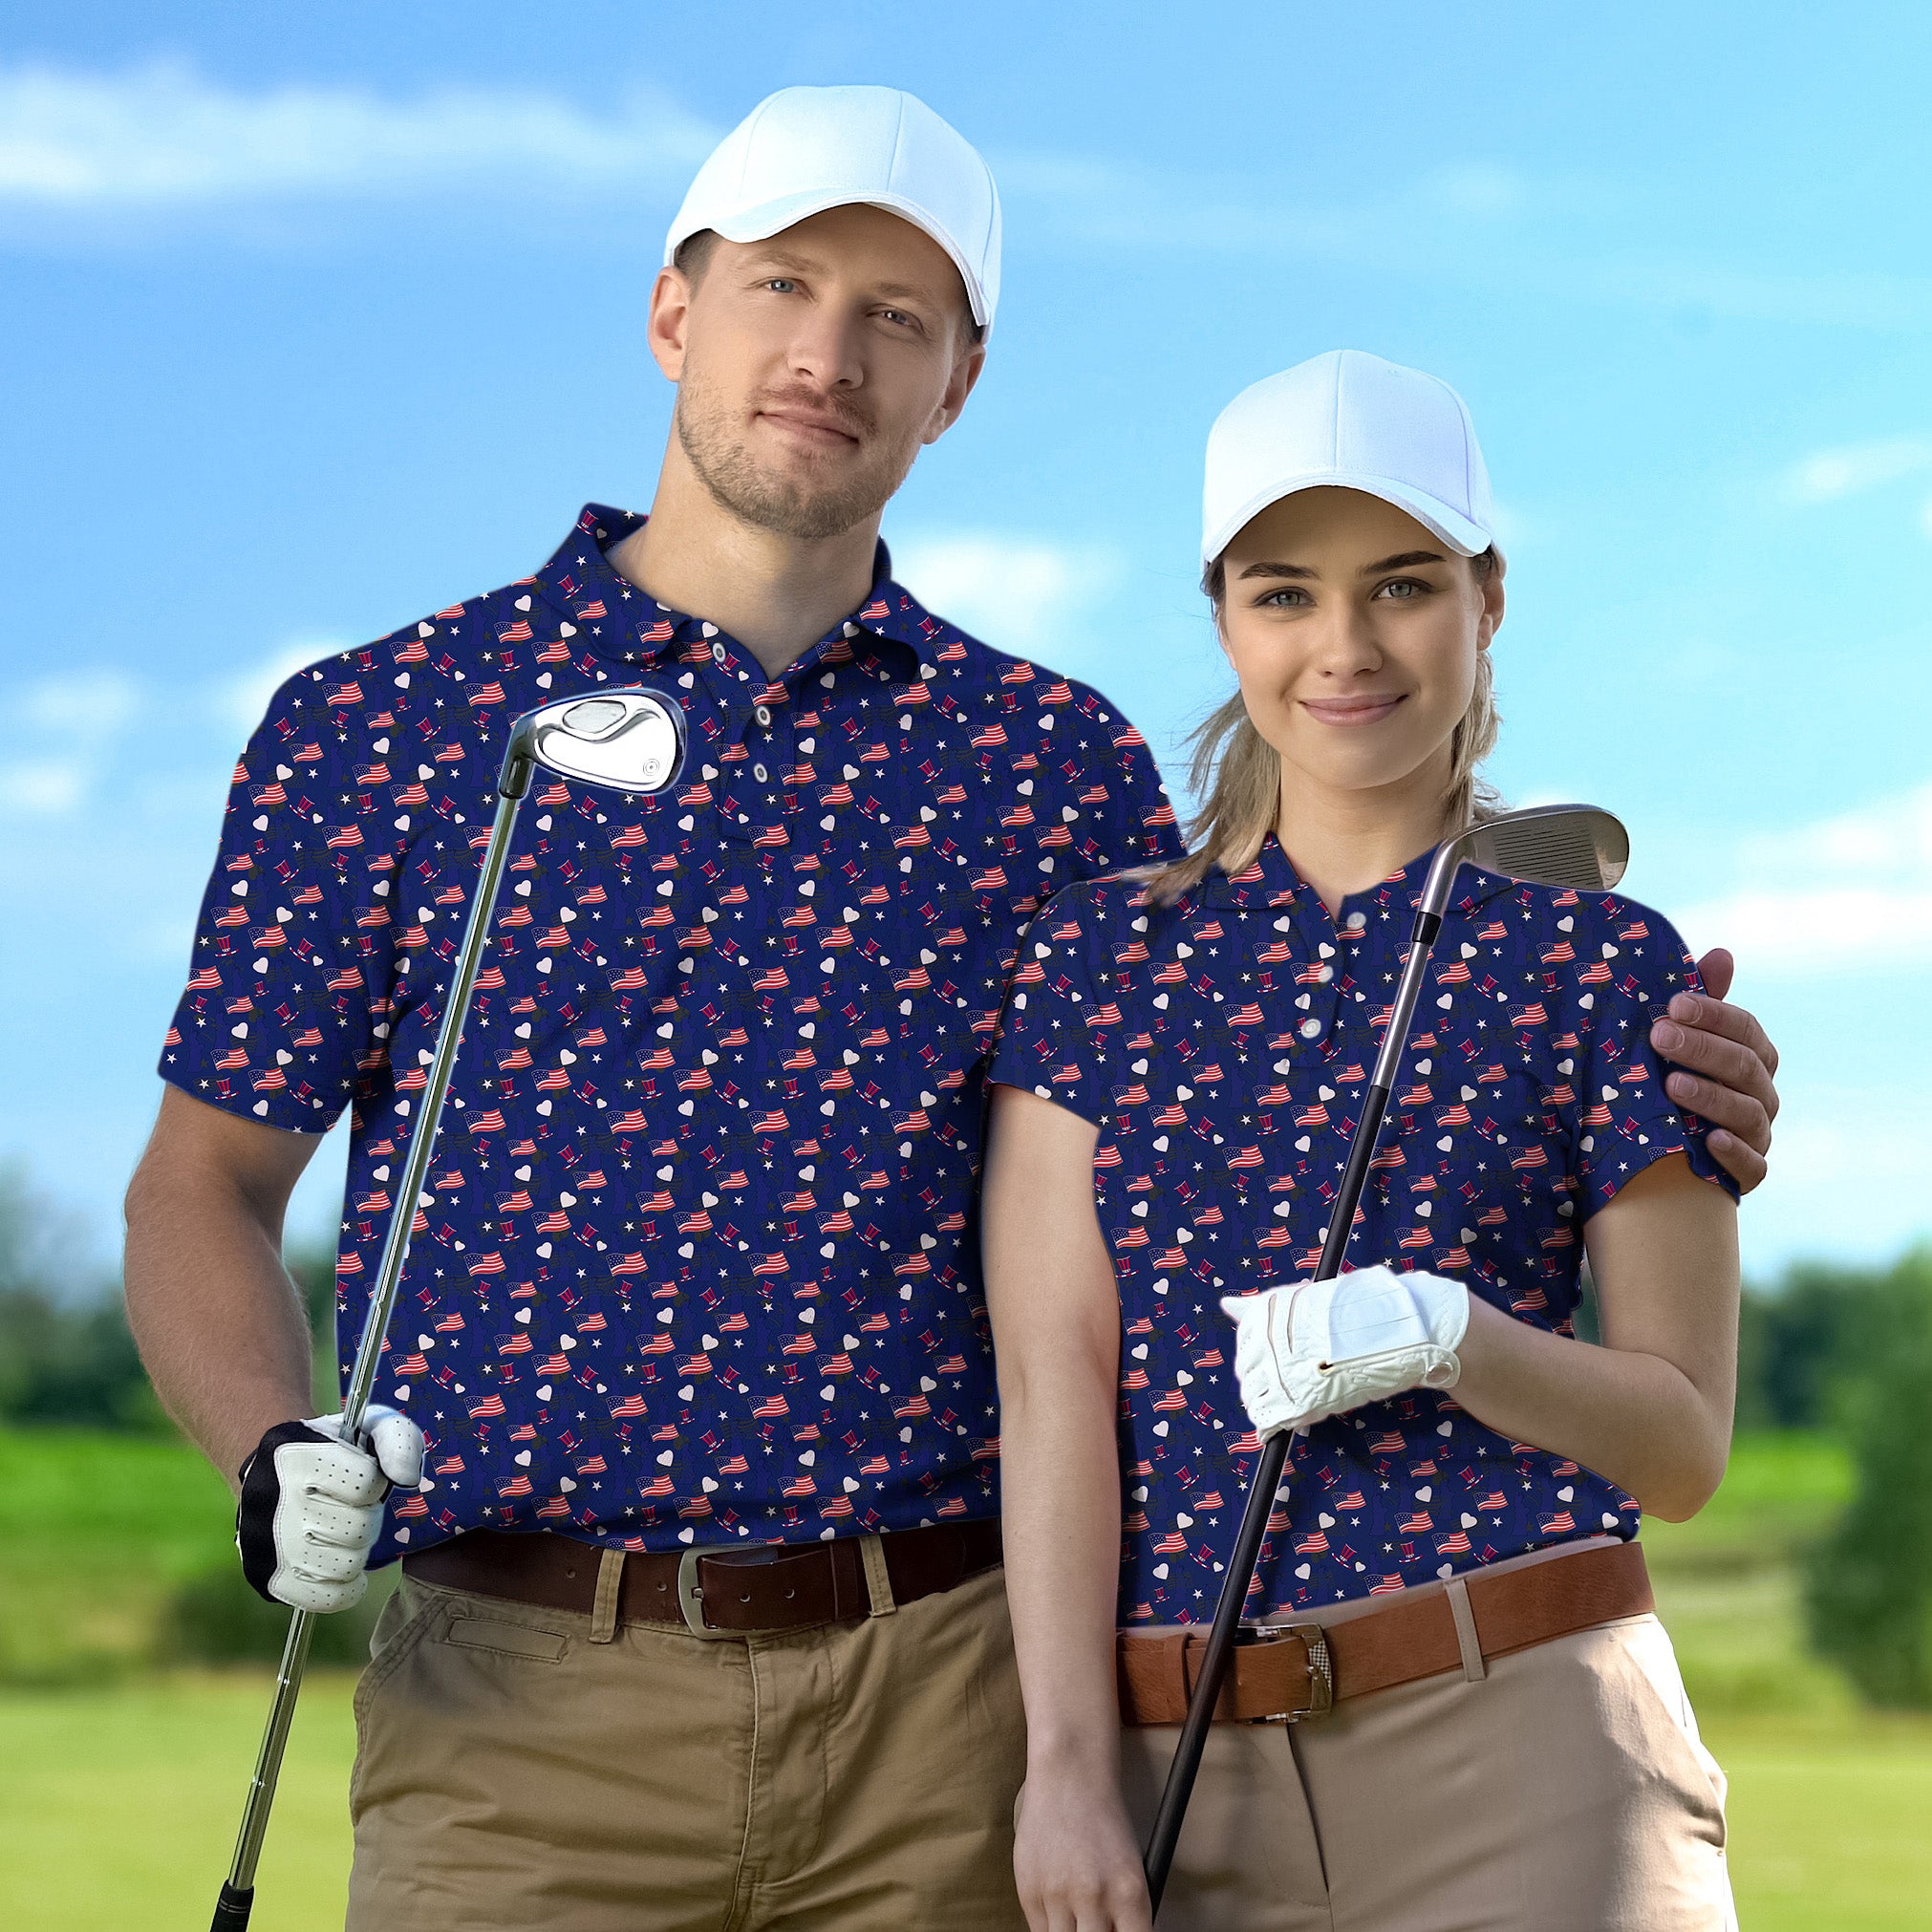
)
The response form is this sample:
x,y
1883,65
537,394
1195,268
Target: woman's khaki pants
x,y
1565,1791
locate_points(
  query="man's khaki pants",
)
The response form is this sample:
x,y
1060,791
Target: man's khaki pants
x,y
514,1770
1559,1789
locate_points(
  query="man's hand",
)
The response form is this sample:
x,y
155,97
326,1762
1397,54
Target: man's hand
x,y
311,1505
1321,1348
1731,1066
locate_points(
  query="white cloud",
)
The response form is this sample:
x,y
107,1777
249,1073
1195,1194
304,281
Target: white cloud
x,y
78,708
1017,594
48,787
66,725
166,135
1857,887
1829,473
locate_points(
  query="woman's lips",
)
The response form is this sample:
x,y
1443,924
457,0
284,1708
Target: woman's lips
x,y
1350,710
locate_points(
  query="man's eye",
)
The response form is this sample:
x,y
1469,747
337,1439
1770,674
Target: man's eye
x,y
781,285
900,317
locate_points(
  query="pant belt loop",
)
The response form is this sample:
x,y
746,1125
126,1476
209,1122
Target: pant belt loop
x,y
1467,1641
878,1582
604,1610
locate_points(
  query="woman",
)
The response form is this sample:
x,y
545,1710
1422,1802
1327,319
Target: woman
x,y
1182,1060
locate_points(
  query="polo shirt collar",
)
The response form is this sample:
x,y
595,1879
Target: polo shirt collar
x,y
1272,882
580,584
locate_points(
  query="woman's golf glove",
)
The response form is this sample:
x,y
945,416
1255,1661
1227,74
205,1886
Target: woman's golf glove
x,y
1321,1348
311,1505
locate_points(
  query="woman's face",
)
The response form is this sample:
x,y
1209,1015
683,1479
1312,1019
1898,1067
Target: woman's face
x,y
1355,633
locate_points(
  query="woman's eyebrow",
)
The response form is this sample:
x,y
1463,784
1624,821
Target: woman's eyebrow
x,y
1276,570
1402,560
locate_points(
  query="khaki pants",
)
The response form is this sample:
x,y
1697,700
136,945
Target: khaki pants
x,y
861,1777
1564,1791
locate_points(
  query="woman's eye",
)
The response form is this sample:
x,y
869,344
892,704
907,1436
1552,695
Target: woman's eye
x,y
781,285
1288,597
1403,590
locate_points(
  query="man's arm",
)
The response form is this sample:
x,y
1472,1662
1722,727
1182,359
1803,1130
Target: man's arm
x,y
1732,1070
220,1328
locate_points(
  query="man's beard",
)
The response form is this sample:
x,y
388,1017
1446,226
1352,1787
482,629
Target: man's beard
x,y
790,508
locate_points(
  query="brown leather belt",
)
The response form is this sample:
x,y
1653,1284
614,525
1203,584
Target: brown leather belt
x,y
712,1592
1292,1670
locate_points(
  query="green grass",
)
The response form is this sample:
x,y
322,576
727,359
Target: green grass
x,y
95,1529
122,1803
121,1796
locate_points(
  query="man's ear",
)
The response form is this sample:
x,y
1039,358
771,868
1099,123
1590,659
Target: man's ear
x,y
670,322
958,387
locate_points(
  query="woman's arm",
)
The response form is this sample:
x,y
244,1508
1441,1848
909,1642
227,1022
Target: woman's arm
x,y
1651,1408
1056,1328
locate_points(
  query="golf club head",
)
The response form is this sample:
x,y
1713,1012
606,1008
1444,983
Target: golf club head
x,y
1579,847
630,740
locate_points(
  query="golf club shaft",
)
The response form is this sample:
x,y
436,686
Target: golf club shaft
x,y
238,1893
1166,1834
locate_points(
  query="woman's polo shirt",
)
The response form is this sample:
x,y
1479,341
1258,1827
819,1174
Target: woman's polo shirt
x,y
1223,1046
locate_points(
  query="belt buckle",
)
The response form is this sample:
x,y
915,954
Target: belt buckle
x,y
691,1598
1320,1672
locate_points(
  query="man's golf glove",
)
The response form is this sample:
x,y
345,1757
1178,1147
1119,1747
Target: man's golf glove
x,y
311,1505
1321,1348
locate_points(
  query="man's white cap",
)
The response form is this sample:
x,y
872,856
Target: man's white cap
x,y
1350,421
805,149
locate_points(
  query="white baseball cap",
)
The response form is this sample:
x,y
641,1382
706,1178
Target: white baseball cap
x,y
1350,421
805,149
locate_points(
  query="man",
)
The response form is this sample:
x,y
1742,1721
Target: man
x,y
697,1269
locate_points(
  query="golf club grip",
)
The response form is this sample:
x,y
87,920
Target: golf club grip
x,y
232,1909
1266,1480
1180,1785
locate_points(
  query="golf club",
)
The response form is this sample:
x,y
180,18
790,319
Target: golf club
x,y
631,740
1573,846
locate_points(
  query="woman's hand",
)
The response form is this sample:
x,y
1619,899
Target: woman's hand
x,y
1074,1856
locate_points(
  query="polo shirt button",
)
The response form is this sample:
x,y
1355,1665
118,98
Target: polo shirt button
x,y
1357,921
763,715
1310,1027
717,654
758,772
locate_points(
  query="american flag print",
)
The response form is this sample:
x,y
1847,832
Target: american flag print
x,y
1528,1095
698,1259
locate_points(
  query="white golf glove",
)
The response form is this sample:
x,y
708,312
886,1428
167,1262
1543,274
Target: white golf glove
x,y
311,1505
1321,1348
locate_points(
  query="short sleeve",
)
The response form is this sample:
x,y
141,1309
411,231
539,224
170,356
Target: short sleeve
x,y
291,957
1047,1041
1626,1119
1129,819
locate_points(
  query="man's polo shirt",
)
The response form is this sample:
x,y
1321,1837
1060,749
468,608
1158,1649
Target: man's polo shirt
x,y
1223,1046
699,1263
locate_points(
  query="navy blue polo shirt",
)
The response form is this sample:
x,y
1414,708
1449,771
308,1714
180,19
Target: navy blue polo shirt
x,y
701,1264
1223,1044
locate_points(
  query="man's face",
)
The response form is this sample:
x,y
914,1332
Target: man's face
x,y
811,367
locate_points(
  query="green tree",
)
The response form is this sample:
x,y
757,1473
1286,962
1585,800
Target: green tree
x,y
1869,1584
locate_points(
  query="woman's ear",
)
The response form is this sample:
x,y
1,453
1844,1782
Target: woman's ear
x,y
1490,617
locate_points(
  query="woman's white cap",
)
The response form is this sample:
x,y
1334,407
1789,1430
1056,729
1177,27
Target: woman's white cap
x,y
805,149
1350,421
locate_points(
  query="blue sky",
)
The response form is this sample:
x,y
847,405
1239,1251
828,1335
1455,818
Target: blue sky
x,y
318,322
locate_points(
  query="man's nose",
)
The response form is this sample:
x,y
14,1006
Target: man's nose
x,y
826,350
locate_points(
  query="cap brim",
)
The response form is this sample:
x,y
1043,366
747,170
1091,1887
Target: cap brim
x,y
772,217
1464,537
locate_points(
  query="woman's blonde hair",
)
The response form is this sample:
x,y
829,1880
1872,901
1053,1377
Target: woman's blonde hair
x,y
1237,773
